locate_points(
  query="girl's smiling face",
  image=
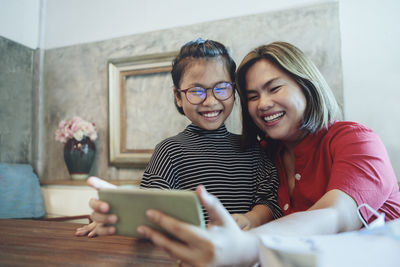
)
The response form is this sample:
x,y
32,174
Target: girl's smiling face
x,y
276,102
212,113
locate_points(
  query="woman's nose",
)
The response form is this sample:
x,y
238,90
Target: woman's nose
x,y
265,102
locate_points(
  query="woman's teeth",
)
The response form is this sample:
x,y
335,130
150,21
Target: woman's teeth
x,y
210,114
273,117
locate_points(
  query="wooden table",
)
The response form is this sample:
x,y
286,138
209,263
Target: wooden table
x,y
48,243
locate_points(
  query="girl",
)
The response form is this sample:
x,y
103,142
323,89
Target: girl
x,y
327,168
205,152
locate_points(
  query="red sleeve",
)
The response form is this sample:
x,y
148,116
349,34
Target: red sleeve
x,y
361,167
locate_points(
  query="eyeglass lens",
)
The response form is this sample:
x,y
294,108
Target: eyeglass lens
x,y
221,91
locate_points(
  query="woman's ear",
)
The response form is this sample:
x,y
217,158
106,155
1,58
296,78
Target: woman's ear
x,y
178,98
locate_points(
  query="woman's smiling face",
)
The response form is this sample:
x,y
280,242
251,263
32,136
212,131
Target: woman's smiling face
x,y
276,102
212,113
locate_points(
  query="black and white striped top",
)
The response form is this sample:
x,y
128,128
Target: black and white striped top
x,y
240,179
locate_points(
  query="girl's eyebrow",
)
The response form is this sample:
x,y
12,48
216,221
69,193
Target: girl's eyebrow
x,y
202,85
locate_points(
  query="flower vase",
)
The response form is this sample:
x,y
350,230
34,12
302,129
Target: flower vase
x,y
79,156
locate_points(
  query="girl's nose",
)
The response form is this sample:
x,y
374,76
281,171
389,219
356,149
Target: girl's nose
x,y
210,99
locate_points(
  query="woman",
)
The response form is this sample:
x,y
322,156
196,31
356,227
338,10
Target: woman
x,y
287,103
327,168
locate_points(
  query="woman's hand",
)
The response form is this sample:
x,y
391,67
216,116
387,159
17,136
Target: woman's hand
x,y
242,221
223,243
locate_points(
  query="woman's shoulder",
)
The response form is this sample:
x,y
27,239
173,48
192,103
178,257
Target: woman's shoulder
x,y
348,127
351,131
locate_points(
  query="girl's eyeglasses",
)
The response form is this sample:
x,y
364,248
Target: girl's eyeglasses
x,y
197,95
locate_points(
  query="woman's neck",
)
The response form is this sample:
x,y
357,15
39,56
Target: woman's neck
x,y
291,144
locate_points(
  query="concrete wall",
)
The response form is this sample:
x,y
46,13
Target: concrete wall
x,y
75,77
16,102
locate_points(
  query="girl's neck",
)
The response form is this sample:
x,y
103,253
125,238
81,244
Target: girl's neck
x,y
202,129
221,131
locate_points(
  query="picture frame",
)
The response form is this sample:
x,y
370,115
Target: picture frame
x,y
141,108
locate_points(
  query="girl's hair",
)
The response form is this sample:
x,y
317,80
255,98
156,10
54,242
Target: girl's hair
x,y
321,107
197,49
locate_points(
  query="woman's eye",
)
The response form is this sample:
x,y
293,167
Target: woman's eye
x,y
275,88
251,97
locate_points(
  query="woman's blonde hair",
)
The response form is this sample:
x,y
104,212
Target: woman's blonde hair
x,y
321,106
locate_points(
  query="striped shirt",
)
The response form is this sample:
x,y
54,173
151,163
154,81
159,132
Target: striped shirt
x,y
240,179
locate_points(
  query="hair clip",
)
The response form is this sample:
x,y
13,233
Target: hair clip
x,y
197,41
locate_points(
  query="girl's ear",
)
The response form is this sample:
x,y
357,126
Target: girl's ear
x,y
178,98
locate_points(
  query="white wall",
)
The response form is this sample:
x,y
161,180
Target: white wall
x,y
370,54
370,37
20,21
69,22
76,21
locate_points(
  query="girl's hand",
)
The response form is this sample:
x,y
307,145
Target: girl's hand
x,y
242,221
100,218
223,243
89,230
98,183
99,215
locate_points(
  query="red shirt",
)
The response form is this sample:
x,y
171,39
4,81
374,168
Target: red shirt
x,y
349,157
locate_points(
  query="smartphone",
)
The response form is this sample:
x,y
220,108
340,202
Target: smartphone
x,y
131,204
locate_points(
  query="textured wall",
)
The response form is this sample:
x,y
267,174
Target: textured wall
x,y
15,102
75,77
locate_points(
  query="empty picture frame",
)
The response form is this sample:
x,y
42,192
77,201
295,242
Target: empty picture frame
x,y
141,107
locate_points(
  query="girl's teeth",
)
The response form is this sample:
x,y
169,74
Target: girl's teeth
x,y
273,117
211,114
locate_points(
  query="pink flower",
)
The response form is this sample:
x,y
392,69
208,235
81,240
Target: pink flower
x,y
76,128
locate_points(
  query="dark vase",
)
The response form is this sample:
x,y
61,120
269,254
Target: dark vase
x,y
79,156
